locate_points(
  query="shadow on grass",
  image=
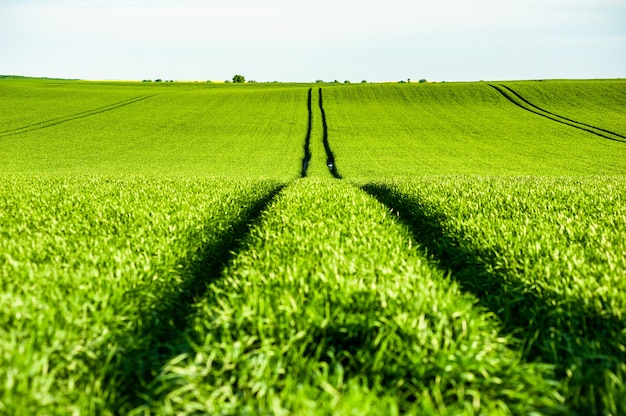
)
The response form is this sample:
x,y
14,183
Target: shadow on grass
x,y
330,157
162,335
307,139
352,340
582,344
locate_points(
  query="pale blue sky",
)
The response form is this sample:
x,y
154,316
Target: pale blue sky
x,y
304,40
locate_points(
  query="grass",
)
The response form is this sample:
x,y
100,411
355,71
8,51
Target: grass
x,y
405,130
544,255
302,321
162,253
182,130
97,274
593,102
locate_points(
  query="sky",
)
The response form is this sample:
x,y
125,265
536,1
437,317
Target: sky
x,y
304,40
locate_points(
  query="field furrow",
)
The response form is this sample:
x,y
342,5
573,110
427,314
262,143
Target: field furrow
x,y
205,132
306,159
524,104
175,248
593,102
555,277
319,146
408,130
330,157
98,276
561,117
58,120
330,309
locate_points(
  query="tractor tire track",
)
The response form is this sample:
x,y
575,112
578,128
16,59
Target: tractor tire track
x,y
561,117
473,269
163,329
64,119
524,104
307,140
330,157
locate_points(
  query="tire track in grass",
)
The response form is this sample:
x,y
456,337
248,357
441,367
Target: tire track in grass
x,y
83,114
307,140
330,157
561,117
524,104
335,314
543,335
163,329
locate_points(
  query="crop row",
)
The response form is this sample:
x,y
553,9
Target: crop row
x,y
97,276
385,130
545,256
329,308
487,295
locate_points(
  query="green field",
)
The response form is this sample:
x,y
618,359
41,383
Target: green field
x,y
190,248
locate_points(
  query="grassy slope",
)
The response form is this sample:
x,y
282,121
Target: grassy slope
x,y
503,228
399,130
184,130
599,103
28,102
375,130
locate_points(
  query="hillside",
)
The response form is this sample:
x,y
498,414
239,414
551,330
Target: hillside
x,y
184,249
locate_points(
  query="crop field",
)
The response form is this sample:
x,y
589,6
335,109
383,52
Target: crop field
x,y
199,248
